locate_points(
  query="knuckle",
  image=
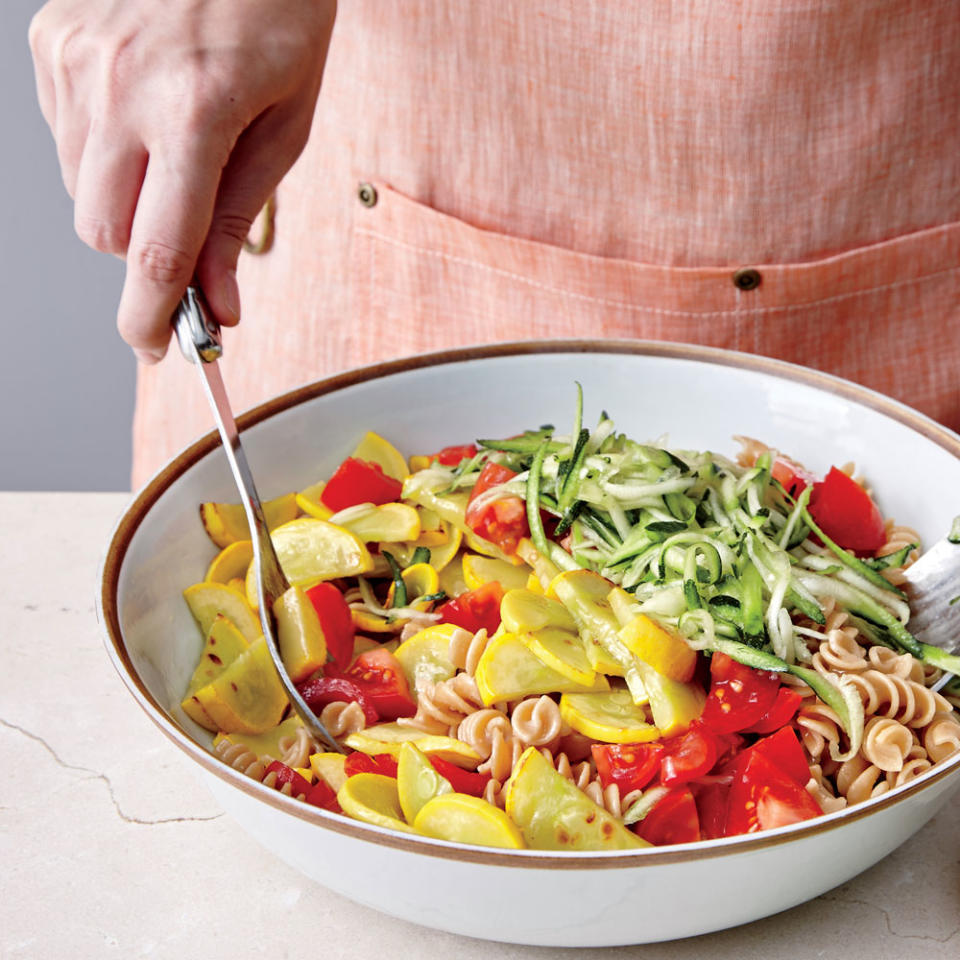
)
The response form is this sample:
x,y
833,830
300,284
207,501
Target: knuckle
x,y
162,263
102,235
232,226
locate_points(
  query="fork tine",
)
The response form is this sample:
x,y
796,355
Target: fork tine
x,y
933,585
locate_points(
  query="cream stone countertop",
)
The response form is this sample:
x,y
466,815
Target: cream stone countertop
x,y
111,847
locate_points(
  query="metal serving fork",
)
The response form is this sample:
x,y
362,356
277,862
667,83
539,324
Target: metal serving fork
x,y
199,336
933,586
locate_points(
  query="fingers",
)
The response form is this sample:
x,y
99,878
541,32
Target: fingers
x,y
261,157
108,184
170,224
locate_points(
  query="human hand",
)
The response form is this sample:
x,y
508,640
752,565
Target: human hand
x,y
174,121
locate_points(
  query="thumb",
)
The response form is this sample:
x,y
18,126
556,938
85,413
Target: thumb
x,y
262,156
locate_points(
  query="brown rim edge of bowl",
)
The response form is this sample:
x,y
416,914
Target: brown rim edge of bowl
x,y
158,485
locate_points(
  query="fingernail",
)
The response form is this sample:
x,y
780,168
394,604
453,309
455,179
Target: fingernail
x,y
231,295
149,357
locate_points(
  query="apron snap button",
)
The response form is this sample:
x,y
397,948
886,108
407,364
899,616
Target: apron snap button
x,y
367,194
747,279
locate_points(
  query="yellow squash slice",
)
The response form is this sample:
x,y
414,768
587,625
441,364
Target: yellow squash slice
x,y
665,651
208,600
230,563
223,645
303,647
425,657
330,768
372,447
563,651
417,781
373,798
523,610
390,521
311,550
611,717
390,737
478,570
553,813
508,670
247,697
460,818
308,500
226,523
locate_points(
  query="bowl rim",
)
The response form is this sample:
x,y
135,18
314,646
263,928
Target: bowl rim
x,y
149,494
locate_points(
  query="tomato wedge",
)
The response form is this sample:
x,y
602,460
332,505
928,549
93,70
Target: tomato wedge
x,y
739,695
846,514
689,756
780,714
320,691
359,481
451,456
476,609
335,621
763,797
287,775
322,795
631,766
673,820
462,781
381,763
504,521
784,751
380,677
792,477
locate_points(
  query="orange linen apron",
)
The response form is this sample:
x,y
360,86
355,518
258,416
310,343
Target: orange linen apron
x,y
775,176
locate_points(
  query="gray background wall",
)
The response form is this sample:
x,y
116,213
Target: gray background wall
x,y
66,378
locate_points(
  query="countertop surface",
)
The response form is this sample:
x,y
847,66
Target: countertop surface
x,y
110,846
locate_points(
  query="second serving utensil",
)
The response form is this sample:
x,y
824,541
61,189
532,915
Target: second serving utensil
x,y
198,334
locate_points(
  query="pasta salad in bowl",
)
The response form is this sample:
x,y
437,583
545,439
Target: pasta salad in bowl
x,y
620,651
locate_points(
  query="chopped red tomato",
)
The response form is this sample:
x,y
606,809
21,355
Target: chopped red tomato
x,y
629,765
285,775
792,477
739,695
504,521
451,456
673,820
712,805
689,756
322,795
381,678
784,751
846,514
475,609
381,763
780,714
320,691
763,797
462,781
359,481
335,621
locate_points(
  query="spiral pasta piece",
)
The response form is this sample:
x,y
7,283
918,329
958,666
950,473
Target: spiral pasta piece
x,y
466,648
819,727
242,758
536,721
341,718
840,652
295,750
820,788
442,706
886,744
489,733
859,780
888,695
941,738
894,664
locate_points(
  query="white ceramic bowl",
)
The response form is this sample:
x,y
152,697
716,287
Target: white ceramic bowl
x,y
700,398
